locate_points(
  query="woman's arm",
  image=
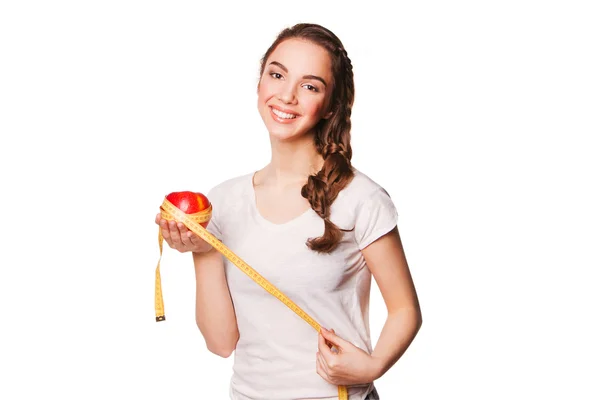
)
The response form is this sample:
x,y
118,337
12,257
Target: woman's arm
x,y
387,262
215,315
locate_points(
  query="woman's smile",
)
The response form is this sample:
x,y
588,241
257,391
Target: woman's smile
x,y
281,116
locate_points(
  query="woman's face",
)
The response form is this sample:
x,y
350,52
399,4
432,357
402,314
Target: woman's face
x,y
294,89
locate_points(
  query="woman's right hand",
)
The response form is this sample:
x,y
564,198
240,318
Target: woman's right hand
x,y
180,238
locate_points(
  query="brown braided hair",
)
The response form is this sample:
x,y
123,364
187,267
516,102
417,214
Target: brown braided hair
x,y
332,135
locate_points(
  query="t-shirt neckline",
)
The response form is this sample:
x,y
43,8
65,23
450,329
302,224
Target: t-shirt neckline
x,y
262,220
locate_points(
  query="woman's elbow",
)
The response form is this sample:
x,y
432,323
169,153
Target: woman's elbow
x,y
225,353
418,320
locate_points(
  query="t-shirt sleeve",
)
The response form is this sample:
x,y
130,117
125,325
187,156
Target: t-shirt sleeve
x,y
376,216
214,225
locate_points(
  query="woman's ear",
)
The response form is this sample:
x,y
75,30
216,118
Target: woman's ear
x,y
328,115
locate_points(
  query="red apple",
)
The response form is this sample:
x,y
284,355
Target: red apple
x,y
189,202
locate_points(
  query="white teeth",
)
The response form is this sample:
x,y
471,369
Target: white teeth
x,y
282,114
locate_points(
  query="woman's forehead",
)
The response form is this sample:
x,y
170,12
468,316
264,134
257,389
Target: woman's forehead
x,y
302,57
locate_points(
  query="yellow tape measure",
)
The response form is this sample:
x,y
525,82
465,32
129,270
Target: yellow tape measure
x,y
192,222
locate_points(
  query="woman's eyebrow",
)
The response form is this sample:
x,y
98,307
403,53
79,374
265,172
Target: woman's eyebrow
x,y
280,65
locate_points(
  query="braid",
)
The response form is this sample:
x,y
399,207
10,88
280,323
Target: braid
x,y
332,141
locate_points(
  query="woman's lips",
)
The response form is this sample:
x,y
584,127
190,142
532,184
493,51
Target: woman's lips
x,y
282,117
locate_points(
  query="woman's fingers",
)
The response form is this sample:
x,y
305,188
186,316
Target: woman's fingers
x,y
174,234
184,235
166,233
178,236
192,241
195,239
321,368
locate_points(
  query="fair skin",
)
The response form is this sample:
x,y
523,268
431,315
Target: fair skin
x,y
297,82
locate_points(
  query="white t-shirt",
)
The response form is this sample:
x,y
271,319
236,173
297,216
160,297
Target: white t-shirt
x,y
275,357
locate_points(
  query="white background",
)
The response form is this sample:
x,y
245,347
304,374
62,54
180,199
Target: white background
x,y
477,117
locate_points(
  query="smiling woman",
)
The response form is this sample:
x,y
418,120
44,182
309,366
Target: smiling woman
x,y
316,228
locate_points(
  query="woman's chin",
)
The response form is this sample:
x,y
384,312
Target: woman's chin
x,y
281,132
281,135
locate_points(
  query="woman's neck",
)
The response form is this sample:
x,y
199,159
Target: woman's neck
x,y
292,162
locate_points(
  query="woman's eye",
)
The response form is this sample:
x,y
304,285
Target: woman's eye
x,y
276,75
311,87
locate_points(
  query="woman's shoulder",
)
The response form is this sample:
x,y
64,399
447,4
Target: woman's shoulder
x,y
360,187
360,195
230,187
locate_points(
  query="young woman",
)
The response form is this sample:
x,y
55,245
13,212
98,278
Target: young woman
x,y
316,228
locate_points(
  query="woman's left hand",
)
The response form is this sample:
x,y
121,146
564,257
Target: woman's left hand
x,y
349,366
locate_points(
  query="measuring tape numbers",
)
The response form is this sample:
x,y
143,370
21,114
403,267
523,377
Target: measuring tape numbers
x,y
192,222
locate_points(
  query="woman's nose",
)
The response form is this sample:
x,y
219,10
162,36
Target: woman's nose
x,y
287,94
